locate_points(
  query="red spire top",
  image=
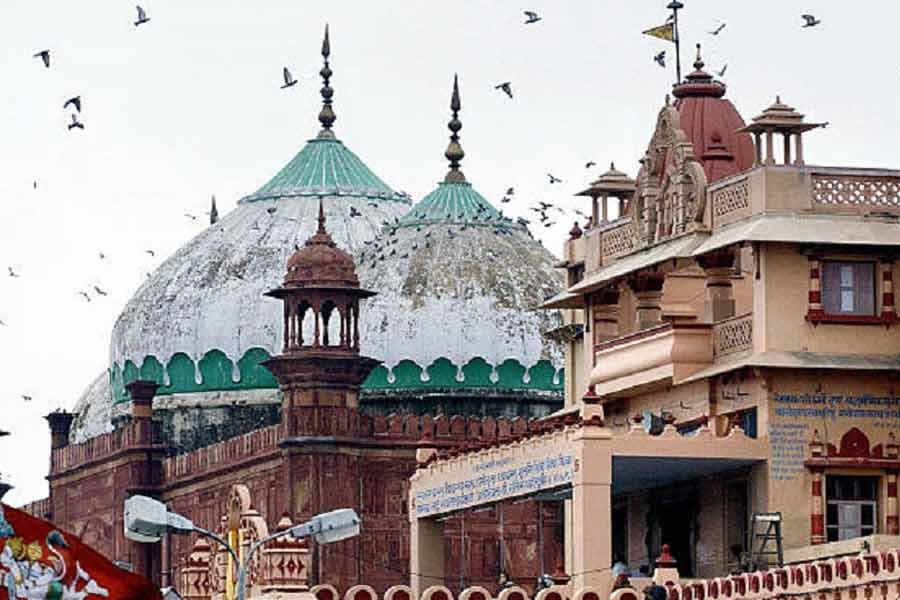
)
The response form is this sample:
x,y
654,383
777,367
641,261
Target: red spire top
x,y
699,83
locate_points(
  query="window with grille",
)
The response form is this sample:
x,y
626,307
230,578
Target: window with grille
x,y
848,288
852,507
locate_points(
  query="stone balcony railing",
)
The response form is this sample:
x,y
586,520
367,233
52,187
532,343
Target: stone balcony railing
x,y
732,336
832,190
666,353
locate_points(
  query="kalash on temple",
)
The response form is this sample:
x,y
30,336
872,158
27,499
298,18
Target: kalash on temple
x,y
732,362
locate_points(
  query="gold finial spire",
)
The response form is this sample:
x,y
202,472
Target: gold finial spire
x,y
698,62
326,115
454,151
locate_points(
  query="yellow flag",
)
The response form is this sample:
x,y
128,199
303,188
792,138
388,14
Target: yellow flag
x,y
664,32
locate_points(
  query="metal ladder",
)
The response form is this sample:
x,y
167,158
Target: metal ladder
x,y
765,527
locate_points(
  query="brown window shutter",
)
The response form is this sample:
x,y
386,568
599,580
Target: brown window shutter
x,y
831,287
865,288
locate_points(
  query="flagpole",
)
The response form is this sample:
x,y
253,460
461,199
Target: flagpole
x,y
675,6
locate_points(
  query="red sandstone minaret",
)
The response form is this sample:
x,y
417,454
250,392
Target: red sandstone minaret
x,y
320,369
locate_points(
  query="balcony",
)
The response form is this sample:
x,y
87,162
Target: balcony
x,y
650,358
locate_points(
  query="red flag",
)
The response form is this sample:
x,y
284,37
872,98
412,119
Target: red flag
x,y
40,562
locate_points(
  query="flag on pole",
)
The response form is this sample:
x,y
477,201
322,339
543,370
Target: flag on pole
x,y
663,32
38,561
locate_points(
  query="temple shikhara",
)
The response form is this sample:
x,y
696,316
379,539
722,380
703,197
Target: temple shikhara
x,y
702,393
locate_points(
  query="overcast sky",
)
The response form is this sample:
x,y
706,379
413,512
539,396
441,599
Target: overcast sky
x,y
189,105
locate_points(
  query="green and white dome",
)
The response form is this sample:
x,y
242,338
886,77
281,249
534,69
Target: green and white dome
x,y
459,286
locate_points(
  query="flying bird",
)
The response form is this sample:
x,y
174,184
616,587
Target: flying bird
x,y
288,79
102,256
271,210
354,212
142,16
150,252
506,86
531,17
721,73
45,56
589,164
26,398
505,199
717,30
12,273
660,59
76,102
34,183
190,216
75,123
2,323
554,179
86,297
549,223
810,20
99,291
510,192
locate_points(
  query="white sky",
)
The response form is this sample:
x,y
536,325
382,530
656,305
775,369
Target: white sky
x,y
189,105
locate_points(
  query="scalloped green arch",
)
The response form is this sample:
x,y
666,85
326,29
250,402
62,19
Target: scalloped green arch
x,y
216,372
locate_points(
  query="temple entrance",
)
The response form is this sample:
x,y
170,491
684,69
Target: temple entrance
x,y
675,526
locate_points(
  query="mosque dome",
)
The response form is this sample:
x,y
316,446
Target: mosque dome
x,y
320,263
456,315
711,123
200,325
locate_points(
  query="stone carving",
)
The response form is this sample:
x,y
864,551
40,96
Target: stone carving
x,y
851,190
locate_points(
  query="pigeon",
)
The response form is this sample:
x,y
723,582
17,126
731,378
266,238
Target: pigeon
x,y
2,323
510,192
810,20
271,210
717,30
86,297
505,199
45,56
506,86
354,212
102,256
531,17
150,252
721,73
35,184
660,59
26,398
288,79
75,123
142,16
12,273
554,179
76,102
549,224
190,216
589,164
99,291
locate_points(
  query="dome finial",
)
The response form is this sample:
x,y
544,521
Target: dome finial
x,y
454,151
326,115
698,62
321,218
213,212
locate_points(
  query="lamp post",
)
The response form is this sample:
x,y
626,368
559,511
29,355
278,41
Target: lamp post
x,y
147,519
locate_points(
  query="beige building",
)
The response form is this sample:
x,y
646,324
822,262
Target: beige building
x,y
733,349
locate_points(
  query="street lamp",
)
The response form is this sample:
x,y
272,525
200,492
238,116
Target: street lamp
x,y
147,519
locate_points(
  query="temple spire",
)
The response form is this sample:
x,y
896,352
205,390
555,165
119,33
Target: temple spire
x,y
326,115
213,212
321,218
454,151
698,62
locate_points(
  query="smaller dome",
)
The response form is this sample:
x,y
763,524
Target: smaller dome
x,y
320,263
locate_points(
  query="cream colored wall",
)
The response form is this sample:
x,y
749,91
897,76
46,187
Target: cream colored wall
x,y
687,402
789,487
783,293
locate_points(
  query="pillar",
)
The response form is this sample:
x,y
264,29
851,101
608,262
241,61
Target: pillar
x,y
142,392
787,147
606,314
592,508
595,211
60,424
426,554
770,148
604,208
758,143
892,523
798,160
718,267
648,291
817,510
888,312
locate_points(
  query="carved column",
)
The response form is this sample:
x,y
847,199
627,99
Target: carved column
x,y
892,522
888,313
719,267
648,291
817,510
606,314
798,160
770,147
